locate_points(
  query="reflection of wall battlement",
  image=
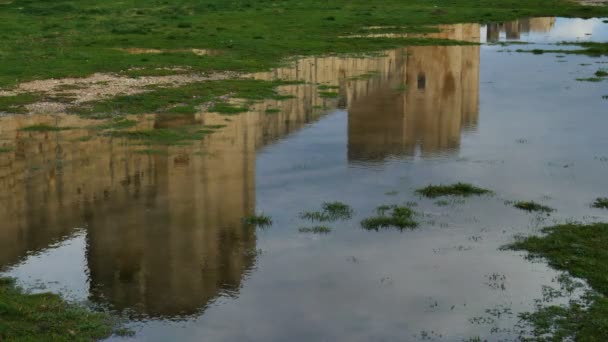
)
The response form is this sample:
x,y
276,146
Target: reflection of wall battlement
x,y
514,29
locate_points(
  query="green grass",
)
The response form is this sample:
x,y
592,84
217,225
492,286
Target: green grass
x,y
272,111
258,220
116,124
532,206
53,39
391,216
328,94
16,104
151,151
227,109
44,128
457,189
6,149
164,136
600,203
580,250
331,211
47,317
590,79
315,230
593,49
601,73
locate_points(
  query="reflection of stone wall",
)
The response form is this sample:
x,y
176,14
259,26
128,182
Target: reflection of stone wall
x,y
426,101
164,231
514,29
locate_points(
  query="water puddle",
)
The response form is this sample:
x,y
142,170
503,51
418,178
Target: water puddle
x,y
156,233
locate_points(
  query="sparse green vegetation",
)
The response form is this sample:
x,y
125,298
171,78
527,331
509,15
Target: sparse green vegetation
x,y
580,250
272,111
47,317
457,189
601,73
150,151
117,123
532,206
6,149
315,230
44,128
391,216
163,136
258,220
331,211
227,109
590,79
601,203
328,94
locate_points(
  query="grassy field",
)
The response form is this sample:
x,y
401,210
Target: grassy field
x,y
60,38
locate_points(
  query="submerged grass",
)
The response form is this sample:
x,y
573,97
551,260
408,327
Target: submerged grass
x,y
164,136
331,211
258,220
315,230
601,203
580,250
44,128
47,317
6,149
391,216
457,189
532,206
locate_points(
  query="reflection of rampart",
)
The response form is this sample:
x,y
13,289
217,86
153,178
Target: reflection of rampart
x,y
514,29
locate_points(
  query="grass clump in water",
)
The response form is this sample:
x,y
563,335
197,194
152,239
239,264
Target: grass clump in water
x,y
601,203
117,123
580,250
391,216
258,220
328,94
315,230
47,317
601,73
458,189
331,211
44,128
532,206
6,149
227,109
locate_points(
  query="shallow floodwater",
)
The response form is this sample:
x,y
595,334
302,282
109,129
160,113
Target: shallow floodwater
x,y
157,236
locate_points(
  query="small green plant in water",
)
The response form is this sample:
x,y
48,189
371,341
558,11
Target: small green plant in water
x,y
6,149
315,230
532,206
258,220
227,109
458,189
331,211
391,216
601,203
601,73
328,94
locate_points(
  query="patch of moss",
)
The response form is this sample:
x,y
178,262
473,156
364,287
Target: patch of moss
x,y
44,128
457,189
315,230
258,220
600,203
331,211
532,206
391,216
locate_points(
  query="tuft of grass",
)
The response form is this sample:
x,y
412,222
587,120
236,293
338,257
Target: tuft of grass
x,y
6,149
578,249
327,87
590,79
272,111
117,123
150,151
44,128
532,206
47,317
600,203
163,136
227,109
391,216
315,230
601,73
328,94
258,220
331,211
457,189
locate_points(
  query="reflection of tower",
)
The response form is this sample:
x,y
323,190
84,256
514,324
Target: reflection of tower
x,y
182,241
427,101
513,29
